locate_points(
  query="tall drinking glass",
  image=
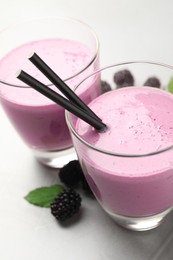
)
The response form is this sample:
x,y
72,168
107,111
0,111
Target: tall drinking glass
x,y
71,49
129,167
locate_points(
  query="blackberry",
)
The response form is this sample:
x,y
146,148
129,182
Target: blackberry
x,y
65,205
123,78
71,174
152,82
105,87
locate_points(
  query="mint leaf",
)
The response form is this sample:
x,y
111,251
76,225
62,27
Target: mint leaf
x,y
170,85
44,196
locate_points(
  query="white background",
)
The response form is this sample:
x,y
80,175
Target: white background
x,y
127,30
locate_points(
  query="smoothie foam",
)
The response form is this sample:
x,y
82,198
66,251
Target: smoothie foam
x,y
140,121
39,121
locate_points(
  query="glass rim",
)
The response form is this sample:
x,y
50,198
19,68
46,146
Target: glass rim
x,y
98,149
65,18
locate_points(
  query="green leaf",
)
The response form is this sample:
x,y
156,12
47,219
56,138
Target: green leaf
x,y
44,196
170,85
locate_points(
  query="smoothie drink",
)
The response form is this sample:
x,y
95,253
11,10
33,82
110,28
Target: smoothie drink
x,y
71,49
129,167
39,121
140,121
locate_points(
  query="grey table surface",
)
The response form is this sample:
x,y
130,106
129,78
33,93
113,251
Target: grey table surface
x,y
128,30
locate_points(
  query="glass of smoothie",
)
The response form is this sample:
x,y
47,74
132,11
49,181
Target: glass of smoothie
x,y
71,49
129,166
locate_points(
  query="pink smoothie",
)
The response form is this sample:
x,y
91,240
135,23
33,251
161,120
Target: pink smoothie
x,y
140,121
40,122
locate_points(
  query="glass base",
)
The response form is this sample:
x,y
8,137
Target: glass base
x,y
55,159
139,223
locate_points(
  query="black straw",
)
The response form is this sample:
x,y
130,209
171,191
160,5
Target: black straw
x,y
54,96
59,83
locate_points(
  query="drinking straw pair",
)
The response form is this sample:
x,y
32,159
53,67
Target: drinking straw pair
x,y
72,102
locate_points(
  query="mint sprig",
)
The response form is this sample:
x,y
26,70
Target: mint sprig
x,y
43,196
170,85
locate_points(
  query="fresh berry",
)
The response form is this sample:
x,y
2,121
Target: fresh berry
x,y
123,78
153,82
105,87
71,174
66,204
